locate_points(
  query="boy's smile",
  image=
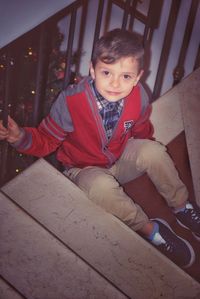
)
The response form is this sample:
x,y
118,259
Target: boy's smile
x,y
115,81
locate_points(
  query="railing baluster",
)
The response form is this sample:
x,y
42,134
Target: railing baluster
x,y
132,17
179,70
197,61
126,13
153,19
166,48
98,22
108,16
42,73
6,101
8,80
81,34
70,48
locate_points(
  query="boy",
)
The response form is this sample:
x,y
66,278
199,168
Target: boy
x,y
103,137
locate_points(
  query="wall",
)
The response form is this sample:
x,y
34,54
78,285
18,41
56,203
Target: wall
x,y
20,16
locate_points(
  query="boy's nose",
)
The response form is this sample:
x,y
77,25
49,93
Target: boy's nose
x,y
115,82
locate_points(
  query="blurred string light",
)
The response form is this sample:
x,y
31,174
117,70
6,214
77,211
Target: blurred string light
x,y
3,62
30,52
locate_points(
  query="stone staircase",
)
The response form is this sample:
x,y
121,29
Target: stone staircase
x,y
56,244
179,110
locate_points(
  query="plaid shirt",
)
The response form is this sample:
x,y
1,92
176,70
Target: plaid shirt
x,y
109,111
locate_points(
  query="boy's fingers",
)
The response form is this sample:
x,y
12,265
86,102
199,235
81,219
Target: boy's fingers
x,y
3,133
12,133
12,125
2,128
11,121
10,118
2,137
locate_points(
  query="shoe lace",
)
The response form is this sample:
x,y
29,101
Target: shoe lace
x,y
193,214
166,245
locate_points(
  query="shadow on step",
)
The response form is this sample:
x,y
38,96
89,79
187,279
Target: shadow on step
x,y
155,206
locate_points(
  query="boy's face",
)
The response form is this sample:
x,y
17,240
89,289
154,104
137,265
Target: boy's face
x,y
115,81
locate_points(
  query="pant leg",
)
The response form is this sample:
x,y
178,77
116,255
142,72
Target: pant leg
x,y
148,156
103,189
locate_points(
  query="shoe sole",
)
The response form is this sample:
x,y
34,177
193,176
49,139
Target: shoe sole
x,y
185,241
181,224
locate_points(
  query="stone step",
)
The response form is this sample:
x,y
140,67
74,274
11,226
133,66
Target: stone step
x,y
127,261
8,292
39,266
166,116
189,98
179,110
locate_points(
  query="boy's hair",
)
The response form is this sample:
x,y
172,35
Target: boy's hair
x,y
117,44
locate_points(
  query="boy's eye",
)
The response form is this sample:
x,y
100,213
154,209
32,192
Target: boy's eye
x,y
106,73
127,77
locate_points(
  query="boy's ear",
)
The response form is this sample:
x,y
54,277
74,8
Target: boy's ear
x,y
139,76
92,72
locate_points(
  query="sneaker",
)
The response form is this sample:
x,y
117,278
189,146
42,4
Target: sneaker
x,y
190,219
174,247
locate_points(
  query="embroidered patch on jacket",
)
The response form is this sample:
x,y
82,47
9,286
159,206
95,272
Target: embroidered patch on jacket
x,y
128,124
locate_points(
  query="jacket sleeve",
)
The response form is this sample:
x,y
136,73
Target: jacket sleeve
x,y
143,128
51,132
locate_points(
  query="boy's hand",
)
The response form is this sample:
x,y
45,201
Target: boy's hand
x,y
12,133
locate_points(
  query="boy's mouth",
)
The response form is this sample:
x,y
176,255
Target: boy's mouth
x,y
114,93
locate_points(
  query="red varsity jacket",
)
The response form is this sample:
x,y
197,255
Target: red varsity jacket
x,y
75,130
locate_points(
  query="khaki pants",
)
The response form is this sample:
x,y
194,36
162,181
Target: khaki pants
x,y
102,185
